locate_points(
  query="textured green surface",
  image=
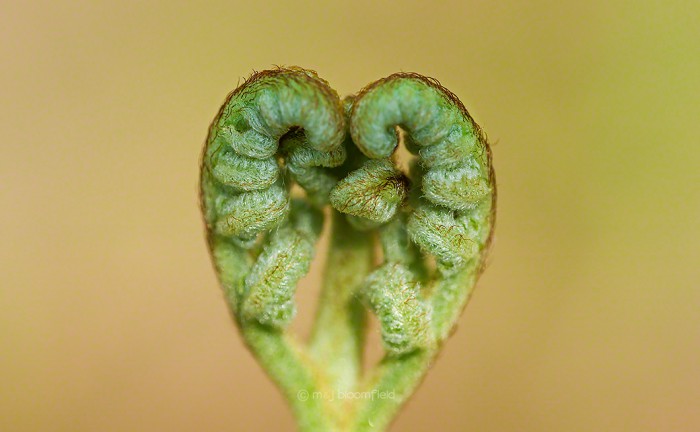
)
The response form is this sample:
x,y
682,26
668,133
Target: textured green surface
x,y
434,223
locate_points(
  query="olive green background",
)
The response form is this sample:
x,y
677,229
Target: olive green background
x,y
587,318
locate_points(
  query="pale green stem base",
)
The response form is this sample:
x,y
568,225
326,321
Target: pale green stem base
x,y
337,339
294,374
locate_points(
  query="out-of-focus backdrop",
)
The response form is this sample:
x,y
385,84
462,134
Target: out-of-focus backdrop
x,y
587,318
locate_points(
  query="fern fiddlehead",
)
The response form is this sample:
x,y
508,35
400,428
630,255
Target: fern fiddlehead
x,y
433,223
261,241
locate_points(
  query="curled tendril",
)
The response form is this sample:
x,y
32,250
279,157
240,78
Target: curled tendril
x,y
280,121
434,224
451,216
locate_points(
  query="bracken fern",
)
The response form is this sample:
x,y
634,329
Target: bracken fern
x,y
434,223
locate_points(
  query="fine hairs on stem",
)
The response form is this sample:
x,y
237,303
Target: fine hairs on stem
x,y
434,224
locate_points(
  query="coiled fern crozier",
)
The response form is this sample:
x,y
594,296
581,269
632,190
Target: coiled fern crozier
x,y
434,223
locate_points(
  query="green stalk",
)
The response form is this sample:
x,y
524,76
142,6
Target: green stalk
x,y
284,362
337,338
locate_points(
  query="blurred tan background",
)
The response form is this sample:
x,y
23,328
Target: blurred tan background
x,y
587,319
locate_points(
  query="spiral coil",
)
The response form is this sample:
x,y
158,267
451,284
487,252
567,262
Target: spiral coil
x,y
287,126
450,217
280,123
